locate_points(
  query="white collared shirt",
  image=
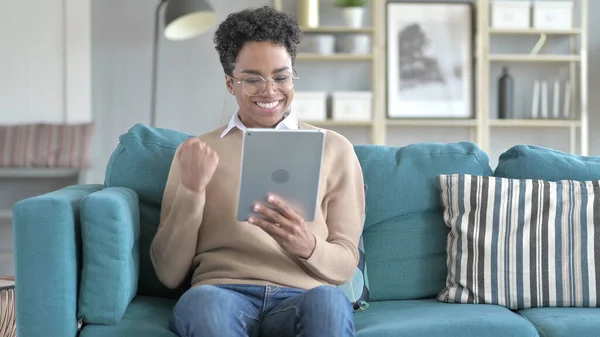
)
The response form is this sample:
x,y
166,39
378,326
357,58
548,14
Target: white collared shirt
x,y
290,122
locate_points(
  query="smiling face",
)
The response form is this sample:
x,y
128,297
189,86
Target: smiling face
x,y
271,62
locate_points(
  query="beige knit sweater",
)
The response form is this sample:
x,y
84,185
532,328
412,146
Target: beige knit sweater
x,y
199,232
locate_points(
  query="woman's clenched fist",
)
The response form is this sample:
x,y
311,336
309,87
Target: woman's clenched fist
x,y
197,162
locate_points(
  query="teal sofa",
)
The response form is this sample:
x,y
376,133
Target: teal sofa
x,y
82,263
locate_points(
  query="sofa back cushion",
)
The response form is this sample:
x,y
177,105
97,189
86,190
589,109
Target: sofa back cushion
x,y
536,162
141,162
405,235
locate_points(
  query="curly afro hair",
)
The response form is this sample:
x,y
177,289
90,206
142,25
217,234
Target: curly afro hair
x,y
255,25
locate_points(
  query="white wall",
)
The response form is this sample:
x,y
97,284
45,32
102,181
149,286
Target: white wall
x,y
45,77
45,61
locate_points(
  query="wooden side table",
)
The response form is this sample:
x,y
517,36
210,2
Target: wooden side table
x,y
8,321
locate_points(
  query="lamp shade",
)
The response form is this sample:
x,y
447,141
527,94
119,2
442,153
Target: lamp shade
x,y
187,18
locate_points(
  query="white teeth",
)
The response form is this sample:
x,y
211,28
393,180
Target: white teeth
x,y
265,105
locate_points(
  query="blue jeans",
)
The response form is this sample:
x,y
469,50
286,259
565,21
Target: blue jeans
x,y
248,310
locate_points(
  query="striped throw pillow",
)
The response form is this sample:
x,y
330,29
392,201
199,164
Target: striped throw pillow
x,y
521,243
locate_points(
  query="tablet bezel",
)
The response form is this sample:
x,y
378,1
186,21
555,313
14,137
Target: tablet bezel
x,y
309,144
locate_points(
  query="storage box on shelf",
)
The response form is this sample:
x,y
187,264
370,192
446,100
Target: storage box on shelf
x,y
546,14
353,106
550,14
349,108
511,14
310,105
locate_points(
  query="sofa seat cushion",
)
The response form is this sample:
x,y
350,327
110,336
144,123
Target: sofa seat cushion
x,y
430,318
564,322
146,316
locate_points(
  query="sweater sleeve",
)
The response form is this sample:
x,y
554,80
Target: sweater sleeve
x,y
175,244
336,257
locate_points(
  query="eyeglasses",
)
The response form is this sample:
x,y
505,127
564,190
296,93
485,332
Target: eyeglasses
x,y
256,85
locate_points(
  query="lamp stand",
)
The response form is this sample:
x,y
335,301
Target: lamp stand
x,y
155,62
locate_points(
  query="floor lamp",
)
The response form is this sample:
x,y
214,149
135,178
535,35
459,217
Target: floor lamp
x,y
183,19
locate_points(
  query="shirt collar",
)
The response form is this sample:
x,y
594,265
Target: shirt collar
x,y
290,122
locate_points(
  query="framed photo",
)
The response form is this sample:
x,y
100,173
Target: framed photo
x,y
430,62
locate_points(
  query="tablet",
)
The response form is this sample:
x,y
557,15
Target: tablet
x,y
286,163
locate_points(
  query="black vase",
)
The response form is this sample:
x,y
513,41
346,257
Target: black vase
x,y
505,95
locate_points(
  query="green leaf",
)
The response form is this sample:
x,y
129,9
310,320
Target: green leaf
x,y
350,3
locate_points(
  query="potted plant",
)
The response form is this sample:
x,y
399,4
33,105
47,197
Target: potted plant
x,y
353,11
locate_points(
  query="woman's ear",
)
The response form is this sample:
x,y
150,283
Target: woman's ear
x,y
229,85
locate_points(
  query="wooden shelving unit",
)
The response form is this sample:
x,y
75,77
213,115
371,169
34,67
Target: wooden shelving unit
x,y
42,174
46,173
334,123
534,31
533,58
340,30
576,59
534,123
377,131
482,125
333,57
431,122
5,215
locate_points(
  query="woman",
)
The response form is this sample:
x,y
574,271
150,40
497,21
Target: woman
x,y
273,277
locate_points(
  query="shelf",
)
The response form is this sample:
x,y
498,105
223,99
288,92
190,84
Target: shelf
x,y
339,123
488,53
338,30
535,123
533,58
5,214
534,31
334,57
430,122
38,172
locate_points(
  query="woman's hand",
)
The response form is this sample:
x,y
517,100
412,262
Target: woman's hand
x,y
286,227
198,164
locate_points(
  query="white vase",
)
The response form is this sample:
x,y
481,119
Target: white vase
x,y
361,44
325,44
354,16
355,44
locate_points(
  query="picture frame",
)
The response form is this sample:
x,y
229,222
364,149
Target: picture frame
x,y
429,59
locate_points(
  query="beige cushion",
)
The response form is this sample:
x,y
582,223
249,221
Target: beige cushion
x,y
46,145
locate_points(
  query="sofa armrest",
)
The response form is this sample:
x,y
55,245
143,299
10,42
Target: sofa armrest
x,y
47,242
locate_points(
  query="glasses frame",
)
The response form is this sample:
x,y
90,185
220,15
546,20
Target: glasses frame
x,y
241,82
